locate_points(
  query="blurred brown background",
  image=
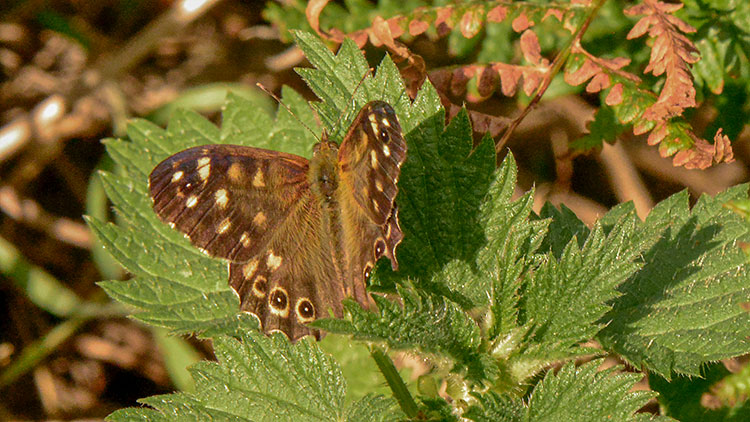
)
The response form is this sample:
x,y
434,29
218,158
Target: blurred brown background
x,y
73,72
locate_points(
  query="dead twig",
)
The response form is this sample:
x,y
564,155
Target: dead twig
x,y
557,64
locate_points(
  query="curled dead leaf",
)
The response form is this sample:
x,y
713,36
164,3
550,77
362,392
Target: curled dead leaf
x,y
703,154
723,148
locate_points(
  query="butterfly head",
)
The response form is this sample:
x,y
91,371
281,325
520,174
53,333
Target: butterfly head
x,y
323,168
325,148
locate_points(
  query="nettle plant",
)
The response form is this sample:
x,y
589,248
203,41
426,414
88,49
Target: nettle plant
x,y
509,311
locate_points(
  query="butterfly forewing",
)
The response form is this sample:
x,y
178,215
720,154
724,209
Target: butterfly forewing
x,y
370,159
227,199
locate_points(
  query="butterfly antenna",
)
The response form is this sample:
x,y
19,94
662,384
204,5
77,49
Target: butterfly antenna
x,y
356,88
278,100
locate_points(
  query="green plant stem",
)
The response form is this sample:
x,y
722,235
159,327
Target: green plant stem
x,y
32,354
396,384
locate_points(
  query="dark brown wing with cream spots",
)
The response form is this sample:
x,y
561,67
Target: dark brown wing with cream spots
x,y
281,263
295,280
370,159
228,199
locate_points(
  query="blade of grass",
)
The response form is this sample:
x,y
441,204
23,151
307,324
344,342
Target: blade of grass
x,y
178,354
38,350
44,290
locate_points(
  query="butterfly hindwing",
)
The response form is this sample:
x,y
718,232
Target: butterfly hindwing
x,y
226,198
294,281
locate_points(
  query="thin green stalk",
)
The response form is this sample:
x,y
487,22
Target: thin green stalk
x,y
38,350
396,384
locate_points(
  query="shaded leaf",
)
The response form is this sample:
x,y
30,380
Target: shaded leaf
x,y
573,394
684,308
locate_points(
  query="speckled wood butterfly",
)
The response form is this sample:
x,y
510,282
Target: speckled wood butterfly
x,y
299,235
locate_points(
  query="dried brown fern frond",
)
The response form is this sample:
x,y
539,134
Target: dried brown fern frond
x,y
658,114
671,54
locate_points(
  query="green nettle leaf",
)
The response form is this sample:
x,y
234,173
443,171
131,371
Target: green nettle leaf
x,y
259,378
427,322
512,239
438,318
564,225
574,394
241,127
685,306
585,393
564,299
442,185
334,79
493,407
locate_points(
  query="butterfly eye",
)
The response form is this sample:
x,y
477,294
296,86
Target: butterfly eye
x,y
368,269
379,248
384,135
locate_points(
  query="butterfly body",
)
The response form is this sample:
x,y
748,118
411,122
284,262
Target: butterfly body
x,y
299,235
